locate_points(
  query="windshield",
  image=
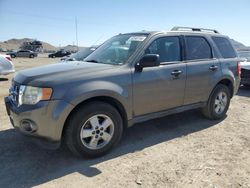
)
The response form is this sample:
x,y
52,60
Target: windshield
x,y
245,55
116,50
81,55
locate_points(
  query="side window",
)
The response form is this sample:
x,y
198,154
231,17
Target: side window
x,y
197,48
225,47
168,49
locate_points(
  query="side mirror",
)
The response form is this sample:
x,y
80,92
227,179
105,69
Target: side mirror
x,y
148,60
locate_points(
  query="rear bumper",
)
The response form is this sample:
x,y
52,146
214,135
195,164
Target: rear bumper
x,y
43,121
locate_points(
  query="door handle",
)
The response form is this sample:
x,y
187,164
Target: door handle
x,y
213,67
176,73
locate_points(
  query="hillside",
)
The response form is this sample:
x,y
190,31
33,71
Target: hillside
x,y
239,46
14,44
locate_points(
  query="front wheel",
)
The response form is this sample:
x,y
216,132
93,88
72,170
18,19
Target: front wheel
x,y
93,130
218,103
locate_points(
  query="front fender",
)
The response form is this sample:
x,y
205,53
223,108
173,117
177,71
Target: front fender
x,y
85,91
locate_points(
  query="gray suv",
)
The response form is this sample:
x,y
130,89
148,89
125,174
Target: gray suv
x,y
130,78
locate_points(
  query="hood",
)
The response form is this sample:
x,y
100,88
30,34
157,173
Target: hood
x,y
245,65
60,72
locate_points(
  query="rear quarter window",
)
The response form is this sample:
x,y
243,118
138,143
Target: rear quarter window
x,y
225,47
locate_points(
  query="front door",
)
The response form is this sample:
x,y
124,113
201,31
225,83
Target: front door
x,y
160,88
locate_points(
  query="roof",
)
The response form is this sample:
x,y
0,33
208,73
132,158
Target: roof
x,y
181,30
193,29
139,33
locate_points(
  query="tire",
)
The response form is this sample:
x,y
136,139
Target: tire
x,y
12,56
83,138
218,103
31,56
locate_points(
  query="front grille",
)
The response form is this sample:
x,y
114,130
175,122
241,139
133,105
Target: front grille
x,y
245,73
14,91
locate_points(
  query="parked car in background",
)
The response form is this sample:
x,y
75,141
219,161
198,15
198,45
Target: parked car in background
x,y
245,68
6,65
23,53
244,54
130,78
79,56
60,53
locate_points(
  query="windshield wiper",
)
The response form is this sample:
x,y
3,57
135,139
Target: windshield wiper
x,y
93,61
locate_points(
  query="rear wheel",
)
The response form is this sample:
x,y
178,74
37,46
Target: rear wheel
x,y
218,103
31,56
12,56
93,130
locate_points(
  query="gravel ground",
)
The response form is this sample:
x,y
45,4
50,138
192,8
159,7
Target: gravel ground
x,y
182,150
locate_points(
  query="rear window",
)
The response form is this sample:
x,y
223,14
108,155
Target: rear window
x,y
225,47
197,48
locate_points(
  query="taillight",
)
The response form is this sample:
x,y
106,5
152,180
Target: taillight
x,y
9,58
238,69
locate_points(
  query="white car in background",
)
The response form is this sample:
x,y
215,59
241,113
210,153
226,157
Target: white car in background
x,y
245,67
6,65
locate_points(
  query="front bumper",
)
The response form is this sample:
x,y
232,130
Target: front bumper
x,y
46,120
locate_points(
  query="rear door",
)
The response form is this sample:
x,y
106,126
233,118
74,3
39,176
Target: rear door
x,y
228,58
202,69
159,88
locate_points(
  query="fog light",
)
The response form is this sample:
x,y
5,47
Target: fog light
x,y
28,126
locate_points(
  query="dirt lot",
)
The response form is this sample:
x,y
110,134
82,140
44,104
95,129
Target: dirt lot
x,y
183,150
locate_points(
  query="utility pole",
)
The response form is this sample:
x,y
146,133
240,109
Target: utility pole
x,y
76,33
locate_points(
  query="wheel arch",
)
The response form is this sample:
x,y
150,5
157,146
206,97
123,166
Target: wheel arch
x,y
227,82
106,99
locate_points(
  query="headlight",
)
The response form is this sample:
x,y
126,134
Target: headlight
x,y
32,95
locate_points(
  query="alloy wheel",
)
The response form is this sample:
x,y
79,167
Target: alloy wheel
x,y
220,102
97,131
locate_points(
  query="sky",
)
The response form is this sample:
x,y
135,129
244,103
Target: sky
x,y
53,21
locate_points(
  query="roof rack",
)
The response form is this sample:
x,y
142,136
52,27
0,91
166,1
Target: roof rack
x,y
193,29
